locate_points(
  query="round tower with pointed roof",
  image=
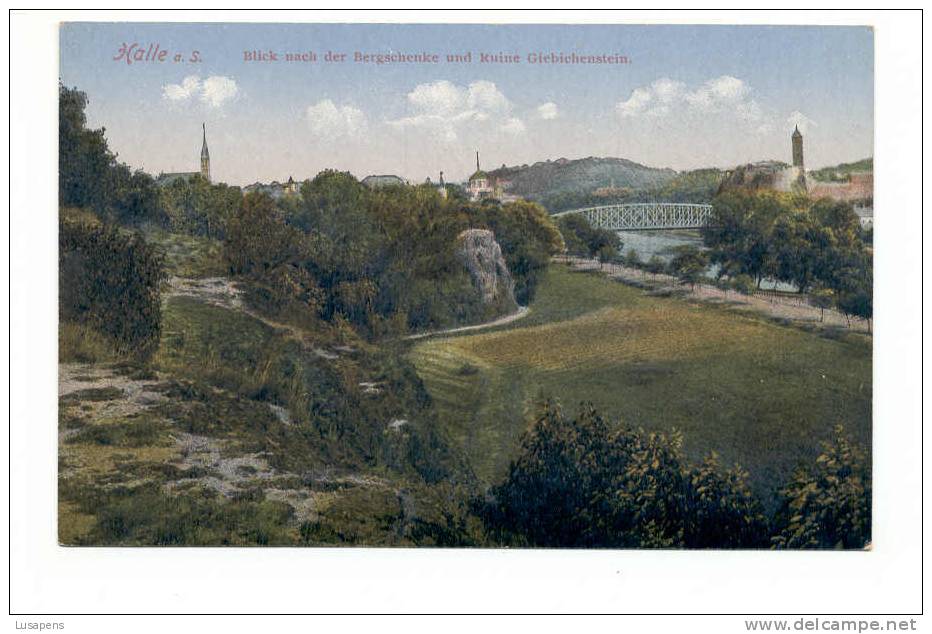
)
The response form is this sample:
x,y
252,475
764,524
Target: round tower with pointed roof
x,y
797,148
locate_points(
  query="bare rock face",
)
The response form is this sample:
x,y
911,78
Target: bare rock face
x,y
482,257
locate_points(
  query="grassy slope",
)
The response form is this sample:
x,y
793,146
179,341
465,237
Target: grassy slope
x,y
218,370
755,392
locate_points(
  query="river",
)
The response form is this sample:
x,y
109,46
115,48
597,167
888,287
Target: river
x,y
647,244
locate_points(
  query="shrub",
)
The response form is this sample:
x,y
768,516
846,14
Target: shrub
x,y
744,284
109,281
576,483
828,506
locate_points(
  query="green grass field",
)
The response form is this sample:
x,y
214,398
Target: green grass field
x,y
756,392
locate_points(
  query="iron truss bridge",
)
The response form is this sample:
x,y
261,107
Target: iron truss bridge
x,y
645,216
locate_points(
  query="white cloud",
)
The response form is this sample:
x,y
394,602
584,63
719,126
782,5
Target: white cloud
x,y
438,98
636,104
217,89
327,120
716,93
548,111
188,87
213,91
513,125
442,108
724,95
486,97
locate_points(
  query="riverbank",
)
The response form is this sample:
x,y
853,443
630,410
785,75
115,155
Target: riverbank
x,y
776,305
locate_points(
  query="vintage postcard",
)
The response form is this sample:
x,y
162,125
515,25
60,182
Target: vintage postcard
x,y
465,285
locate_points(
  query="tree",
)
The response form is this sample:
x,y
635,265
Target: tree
x,y
632,259
88,172
273,255
822,298
605,254
852,281
198,207
828,506
656,265
582,239
528,239
739,232
689,264
744,284
798,245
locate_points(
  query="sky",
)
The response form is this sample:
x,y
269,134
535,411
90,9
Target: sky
x,y
685,97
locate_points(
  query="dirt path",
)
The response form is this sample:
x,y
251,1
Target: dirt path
x,y
501,321
223,292
774,305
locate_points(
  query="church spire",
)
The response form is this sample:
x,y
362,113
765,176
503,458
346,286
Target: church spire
x,y
477,161
204,152
205,155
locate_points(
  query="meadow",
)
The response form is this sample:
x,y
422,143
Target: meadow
x,y
759,393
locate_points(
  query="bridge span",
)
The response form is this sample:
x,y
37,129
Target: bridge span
x,y
645,216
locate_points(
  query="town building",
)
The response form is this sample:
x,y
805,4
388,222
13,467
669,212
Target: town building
x,y
165,179
275,189
374,181
480,186
441,186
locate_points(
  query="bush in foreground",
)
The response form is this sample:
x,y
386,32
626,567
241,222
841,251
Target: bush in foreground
x,y
580,483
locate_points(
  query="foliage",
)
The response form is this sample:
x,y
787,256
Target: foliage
x,y
655,265
528,239
738,234
794,240
696,186
744,284
336,421
384,260
89,174
689,264
822,298
842,172
576,483
199,208
828,506
109,281
582,239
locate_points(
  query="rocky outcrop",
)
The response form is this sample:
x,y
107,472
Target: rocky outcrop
x,y
482,257
772,175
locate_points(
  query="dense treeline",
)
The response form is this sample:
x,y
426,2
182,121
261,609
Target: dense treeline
x,y
384,260
89,175
817,246
198,208
582,482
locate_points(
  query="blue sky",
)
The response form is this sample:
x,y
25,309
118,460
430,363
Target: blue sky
x,y
691,96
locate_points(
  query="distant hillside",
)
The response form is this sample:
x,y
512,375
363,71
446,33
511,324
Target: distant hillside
x,y
842,172
696,186
548,178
